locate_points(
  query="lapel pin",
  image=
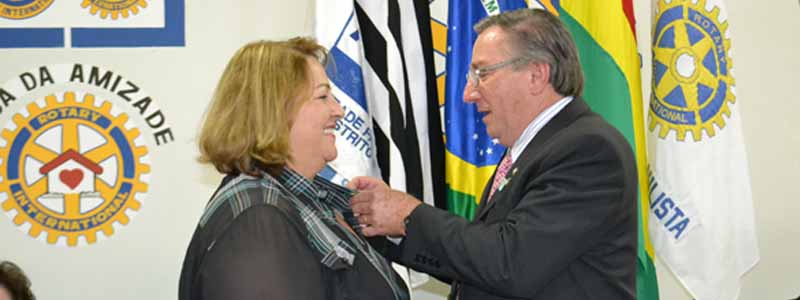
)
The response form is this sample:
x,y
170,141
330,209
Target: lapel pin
x,y
503,183
506,180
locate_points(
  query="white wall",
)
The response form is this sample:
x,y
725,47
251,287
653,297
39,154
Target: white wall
x,y
143,259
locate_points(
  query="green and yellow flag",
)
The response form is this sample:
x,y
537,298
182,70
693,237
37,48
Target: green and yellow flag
x,y
605,34
471,155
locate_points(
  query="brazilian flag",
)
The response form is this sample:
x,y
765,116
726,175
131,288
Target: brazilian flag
x,y
471,155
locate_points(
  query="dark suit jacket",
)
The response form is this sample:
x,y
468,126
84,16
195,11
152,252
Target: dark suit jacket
x,y
564,227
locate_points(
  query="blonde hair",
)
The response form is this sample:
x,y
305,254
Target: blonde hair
x,y
247,123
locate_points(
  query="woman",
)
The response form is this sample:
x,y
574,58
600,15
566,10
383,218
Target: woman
x,y
14,285
273,230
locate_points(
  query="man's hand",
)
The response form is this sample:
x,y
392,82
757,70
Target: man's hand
x,y
380,209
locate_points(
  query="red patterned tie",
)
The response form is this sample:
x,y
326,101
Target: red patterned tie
x,y
502,170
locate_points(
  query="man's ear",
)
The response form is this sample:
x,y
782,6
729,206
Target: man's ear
x,y
539,77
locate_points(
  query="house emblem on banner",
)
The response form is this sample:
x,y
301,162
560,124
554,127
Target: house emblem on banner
x,y
71,173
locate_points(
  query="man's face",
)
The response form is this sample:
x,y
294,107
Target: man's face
x,y
500,93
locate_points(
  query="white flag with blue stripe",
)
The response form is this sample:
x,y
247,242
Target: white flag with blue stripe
x,y
355,144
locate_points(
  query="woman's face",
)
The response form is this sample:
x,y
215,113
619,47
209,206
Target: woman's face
x,y
312,138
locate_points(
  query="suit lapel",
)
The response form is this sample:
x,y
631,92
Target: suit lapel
x,y
566,116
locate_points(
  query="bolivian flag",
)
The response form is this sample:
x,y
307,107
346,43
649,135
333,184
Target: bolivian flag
x,y
605,34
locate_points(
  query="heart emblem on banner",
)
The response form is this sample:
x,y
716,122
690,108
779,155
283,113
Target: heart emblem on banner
x,y
71,177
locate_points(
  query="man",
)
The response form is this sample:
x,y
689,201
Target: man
x,y
558,218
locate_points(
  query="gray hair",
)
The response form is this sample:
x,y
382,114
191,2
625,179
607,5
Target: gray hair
x,y
541,37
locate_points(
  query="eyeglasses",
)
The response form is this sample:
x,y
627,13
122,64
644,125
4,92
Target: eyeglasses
x,y
474,75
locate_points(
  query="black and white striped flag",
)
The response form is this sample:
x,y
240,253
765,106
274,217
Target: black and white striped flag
x,y
383,76
401,90
383,71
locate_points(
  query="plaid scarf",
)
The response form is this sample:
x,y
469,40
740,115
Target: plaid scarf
x,y
317,202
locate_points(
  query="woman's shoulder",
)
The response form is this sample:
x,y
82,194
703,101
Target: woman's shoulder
x,y
244,192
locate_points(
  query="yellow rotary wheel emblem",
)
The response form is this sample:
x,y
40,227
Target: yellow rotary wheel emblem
x,y
22,9
70,169
115,8
692,82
